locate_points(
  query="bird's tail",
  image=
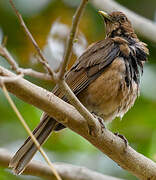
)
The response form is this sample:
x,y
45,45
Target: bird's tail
x,y
28,149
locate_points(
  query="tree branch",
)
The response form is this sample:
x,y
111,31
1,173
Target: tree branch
x,y
66,171
143,26
29,72
68,52
92,129
105,141
42,59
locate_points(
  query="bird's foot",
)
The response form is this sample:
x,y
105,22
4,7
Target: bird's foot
x,y
123,138
100,121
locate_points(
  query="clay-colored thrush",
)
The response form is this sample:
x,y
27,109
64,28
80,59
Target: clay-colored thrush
x,y
105,78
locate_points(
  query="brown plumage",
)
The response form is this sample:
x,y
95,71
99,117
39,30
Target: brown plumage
x,y
105,78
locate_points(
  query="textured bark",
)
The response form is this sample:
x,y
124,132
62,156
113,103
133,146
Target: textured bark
x,y
105,141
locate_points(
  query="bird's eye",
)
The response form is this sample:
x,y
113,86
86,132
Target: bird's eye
x,y
123,18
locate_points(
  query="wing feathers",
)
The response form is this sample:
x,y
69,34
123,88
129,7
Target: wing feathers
x,y
90,65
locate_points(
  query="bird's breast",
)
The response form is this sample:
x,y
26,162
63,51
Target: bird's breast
x,y
109,96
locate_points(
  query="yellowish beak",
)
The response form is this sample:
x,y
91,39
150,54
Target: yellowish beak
x,y
105,15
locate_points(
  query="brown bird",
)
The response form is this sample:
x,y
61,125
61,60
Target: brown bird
x,y
105,78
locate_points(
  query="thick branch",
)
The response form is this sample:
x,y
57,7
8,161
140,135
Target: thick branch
x,y
143,26
105,141
66,171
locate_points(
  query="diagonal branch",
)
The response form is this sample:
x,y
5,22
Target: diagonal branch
x,y
92,129
4,52
37,168
105,141
29,72
68,52
42,59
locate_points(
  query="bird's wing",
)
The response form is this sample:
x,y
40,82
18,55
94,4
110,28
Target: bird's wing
x,y
90,65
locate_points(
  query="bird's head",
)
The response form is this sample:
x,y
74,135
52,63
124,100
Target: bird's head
x,y
117,24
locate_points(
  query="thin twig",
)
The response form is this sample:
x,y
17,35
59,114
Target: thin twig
x,y
80,108
36,74
29,131
68,52
43,59
4,52
30,72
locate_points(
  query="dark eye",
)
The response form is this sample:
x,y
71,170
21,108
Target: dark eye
x,y
123,18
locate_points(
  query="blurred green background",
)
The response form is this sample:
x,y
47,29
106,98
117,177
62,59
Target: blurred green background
x,y
49,22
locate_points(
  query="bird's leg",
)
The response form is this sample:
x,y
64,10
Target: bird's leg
x,y
123,138
100,121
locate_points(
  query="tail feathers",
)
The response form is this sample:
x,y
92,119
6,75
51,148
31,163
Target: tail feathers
x,y
28,149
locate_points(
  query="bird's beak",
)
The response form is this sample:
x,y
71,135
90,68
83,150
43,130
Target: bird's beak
x,y
105,15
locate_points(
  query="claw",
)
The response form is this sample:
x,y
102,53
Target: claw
x,y
100,121
123,138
